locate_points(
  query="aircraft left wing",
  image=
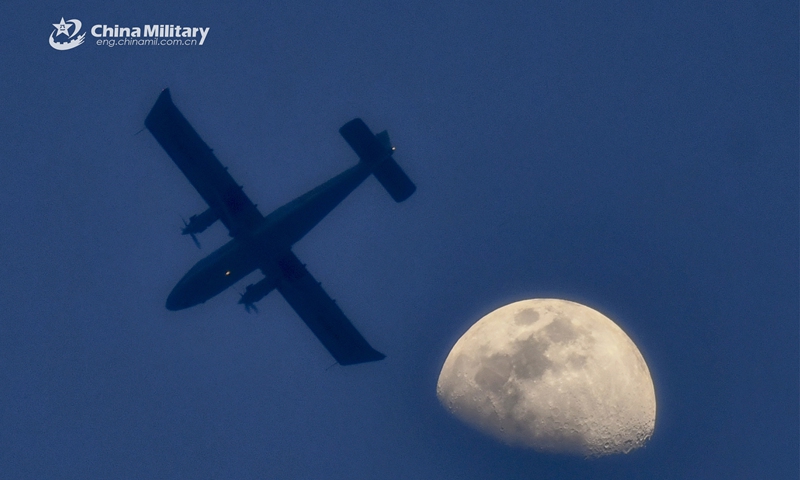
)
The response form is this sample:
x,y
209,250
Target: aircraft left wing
x,y
212,181
321,314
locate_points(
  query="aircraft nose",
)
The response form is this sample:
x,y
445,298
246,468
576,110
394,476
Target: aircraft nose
x,y
176,301
172,303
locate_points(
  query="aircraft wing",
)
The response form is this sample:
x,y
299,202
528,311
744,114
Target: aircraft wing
x,y
211,180
321,314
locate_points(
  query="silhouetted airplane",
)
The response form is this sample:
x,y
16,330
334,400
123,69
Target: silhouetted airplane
x,y
265,242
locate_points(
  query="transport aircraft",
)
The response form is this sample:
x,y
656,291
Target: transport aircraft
x,y
265,243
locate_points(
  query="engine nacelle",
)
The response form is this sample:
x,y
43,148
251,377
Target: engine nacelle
x,y
257,291
198,223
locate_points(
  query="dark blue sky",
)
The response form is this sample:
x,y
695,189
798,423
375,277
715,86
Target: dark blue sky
x,y
638,157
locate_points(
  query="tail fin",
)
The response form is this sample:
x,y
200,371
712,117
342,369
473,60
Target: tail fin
x,y
376,151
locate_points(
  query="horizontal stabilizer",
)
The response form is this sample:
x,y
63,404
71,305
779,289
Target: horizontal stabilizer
x,y
376,151
366,145
394,180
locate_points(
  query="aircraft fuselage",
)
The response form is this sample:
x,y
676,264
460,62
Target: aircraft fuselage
x,y
275,235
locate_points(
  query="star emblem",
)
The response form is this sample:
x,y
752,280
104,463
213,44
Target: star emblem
x,y
62,27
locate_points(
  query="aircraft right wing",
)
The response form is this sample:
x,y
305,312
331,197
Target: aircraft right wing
x,y
212,181
321,314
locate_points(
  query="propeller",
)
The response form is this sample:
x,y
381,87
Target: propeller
x,y
184,232
249,306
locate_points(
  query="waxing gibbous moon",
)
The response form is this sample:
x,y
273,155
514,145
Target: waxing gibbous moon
x,y
552,375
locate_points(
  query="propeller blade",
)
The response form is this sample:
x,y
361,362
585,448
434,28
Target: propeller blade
x,y
251,308
184,232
